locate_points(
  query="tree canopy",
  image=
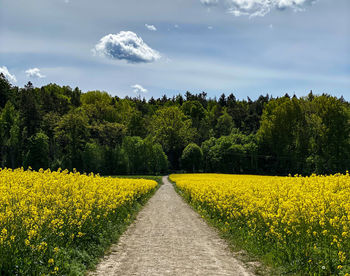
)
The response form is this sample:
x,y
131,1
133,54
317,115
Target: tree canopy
x,y
59,127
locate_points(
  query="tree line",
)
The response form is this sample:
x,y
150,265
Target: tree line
x,y
60,127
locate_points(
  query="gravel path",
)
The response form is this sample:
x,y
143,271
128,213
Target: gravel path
x,y
169,238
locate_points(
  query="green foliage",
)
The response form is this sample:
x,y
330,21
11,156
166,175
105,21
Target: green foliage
x,y
56,99
137,124
99,107
195,111
305,135
158,162
329,147
192,158
9,136
172,129
108,134
125,111
5,90
29,110
144,156
71,134
224,125
38,152
266,136
236,153
282,133
92,158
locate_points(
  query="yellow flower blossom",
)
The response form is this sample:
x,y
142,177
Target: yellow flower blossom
x,y
309,214
51,261
39,210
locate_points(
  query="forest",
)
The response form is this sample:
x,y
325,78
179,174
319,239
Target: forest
x,y
60,127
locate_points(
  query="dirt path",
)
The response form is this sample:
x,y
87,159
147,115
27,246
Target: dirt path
x,y
169,238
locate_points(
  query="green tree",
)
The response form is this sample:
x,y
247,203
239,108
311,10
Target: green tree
x,y
9,136
172,129
195,111
283,134
49,123
137,125
5,90
76,97
93,158
192,158
72,134
108,134
135,150
157,159
199,116
305,135
144,156
29,111
54,98
329,127
38,152
236,153
99,107
224,125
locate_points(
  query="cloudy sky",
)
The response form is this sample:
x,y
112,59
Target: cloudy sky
x,y
152,47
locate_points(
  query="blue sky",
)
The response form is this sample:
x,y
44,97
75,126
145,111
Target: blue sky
x,y
156,47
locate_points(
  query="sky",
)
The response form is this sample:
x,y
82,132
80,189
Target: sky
x,y
155,47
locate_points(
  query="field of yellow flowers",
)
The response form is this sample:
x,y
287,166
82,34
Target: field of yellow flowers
x,y
48,219
301,223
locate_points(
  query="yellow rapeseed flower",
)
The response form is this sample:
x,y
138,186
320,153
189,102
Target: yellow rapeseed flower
x,y
51,261
41,209
309,214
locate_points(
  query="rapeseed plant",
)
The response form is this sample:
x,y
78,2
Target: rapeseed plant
x,y
43,212
303,222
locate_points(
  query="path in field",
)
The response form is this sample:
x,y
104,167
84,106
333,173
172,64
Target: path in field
x,y
169,238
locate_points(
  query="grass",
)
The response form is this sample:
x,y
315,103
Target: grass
x,y
81,259
261,266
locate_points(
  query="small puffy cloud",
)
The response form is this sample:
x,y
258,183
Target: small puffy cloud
x,y
176,26
126,46
151,27
209,2
138,89
295,4
254,8
34,73
6,73
250,7
210,27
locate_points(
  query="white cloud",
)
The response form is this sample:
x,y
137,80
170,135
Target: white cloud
x,y
6,73
126,46
237,12
210,27
258,7
138,89
296,4
209,2
34,73
151,27
176,26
